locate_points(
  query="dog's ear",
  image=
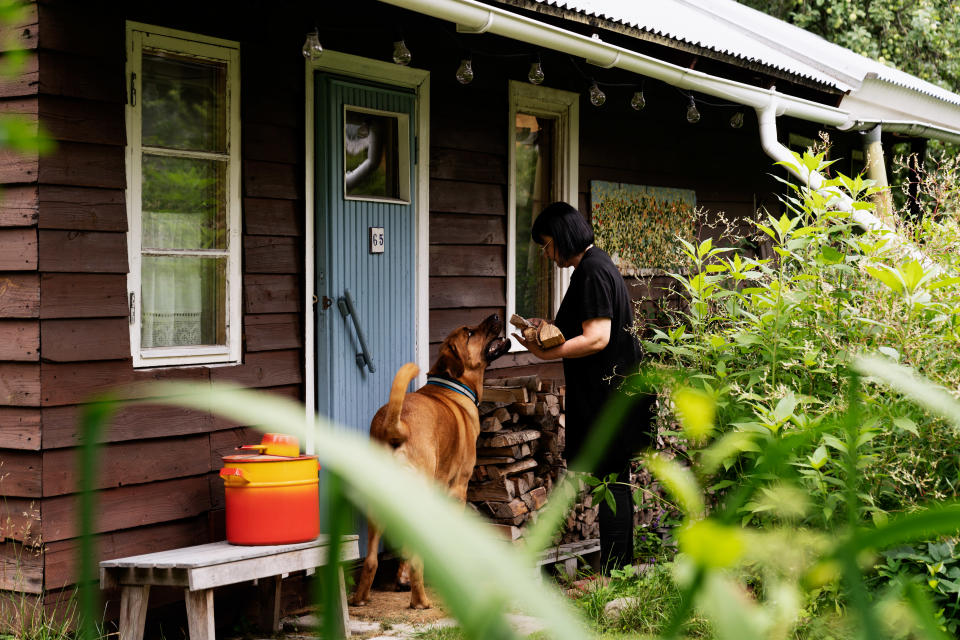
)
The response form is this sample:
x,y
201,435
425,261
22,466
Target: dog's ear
x,y
449,362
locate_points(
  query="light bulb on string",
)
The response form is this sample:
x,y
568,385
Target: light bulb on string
x,y
465,71
693,116
536,72
736,120
597,96
311,47
638,102
401,55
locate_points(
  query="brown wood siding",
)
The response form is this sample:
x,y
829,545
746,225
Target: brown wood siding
x,y
157,475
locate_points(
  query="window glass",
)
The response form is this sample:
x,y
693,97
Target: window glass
x,y
534,171
183,301
184,103
184,204
371,155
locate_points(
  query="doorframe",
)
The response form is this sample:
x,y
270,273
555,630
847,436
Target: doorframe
x,y
386,73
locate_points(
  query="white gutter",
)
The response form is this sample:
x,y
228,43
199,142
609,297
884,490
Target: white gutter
x,y
473,17
915,129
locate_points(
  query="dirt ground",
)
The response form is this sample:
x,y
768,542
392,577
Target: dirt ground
x,y
393,607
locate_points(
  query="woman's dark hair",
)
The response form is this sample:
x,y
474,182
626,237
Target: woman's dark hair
x,y
570,231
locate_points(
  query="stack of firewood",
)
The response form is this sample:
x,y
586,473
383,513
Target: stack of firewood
x,y
520,453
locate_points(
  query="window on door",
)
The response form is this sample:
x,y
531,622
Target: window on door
x,y
543,169
183,198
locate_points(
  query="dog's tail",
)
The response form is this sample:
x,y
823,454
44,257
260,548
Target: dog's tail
x,y
395,430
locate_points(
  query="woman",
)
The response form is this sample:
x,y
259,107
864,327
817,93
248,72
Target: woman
x,y
595,316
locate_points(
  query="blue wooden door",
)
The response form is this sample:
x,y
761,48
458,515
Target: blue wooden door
x,y
365,244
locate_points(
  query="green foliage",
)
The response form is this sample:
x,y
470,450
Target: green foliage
x,y
909,35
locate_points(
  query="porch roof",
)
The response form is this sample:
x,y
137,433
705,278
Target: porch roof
x,y
728,30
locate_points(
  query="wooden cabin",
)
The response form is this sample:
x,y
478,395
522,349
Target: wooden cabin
x,y
213,194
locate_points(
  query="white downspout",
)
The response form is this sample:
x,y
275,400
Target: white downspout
x,y
767,117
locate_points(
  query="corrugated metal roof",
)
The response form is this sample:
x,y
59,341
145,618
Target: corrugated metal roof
x,y
732,29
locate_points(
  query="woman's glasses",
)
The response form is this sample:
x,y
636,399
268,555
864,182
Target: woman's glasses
x,y
543,248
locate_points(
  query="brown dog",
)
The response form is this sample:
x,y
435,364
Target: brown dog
x,y
435,428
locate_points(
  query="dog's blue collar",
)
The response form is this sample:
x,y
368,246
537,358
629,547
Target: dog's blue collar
x,y
453,385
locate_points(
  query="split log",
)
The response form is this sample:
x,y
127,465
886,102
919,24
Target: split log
x,y
510,438
490,424
500,490
505,394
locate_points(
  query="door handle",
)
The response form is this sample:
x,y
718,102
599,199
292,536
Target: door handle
x,y
345,303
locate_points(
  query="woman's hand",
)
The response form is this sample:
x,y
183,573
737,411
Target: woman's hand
x,y
532,347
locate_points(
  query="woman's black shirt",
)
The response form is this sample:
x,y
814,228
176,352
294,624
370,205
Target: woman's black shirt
x,y
597,290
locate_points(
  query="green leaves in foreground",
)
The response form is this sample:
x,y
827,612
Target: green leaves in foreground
x,y
479,576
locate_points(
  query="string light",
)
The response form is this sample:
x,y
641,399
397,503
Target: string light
x,y
736,120
311,47
465,71
693,116
638,102
597,96
536,72
401,55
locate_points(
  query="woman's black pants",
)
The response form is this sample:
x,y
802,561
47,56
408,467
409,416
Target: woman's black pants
x,y
616,529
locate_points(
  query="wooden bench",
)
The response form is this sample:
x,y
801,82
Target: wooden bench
x,y
201,568
567,556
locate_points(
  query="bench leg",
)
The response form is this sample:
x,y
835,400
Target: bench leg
x,y
200,614
344,610
133,611
270,604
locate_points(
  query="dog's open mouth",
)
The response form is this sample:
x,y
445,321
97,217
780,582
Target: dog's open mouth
x,y
496,348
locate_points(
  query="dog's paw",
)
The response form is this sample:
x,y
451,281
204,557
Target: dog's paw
x,y
358,602
421,605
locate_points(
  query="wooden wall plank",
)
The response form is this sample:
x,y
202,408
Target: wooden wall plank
x,y
129,463
22,473
451,196
468,166
270,180
272,254
467,260
61,557
66,27
20,384
225,443
81,295
20,428
19,340
18,249
264,369
128,507
269,293
19,295
76,120
443,321
85,339
272,217
20,519
21,568
77,382
136,422
21,36
467,229
268,332
85,165
100,79
24,83
85,209
83,251
19,206
447,293
17,167
272,143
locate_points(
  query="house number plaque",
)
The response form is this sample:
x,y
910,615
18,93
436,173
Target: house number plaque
x,y
376,239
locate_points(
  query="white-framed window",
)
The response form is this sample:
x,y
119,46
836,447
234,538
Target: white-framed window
x,y
183,197
543,149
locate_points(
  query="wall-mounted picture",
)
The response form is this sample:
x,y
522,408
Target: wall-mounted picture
x,y
638,224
